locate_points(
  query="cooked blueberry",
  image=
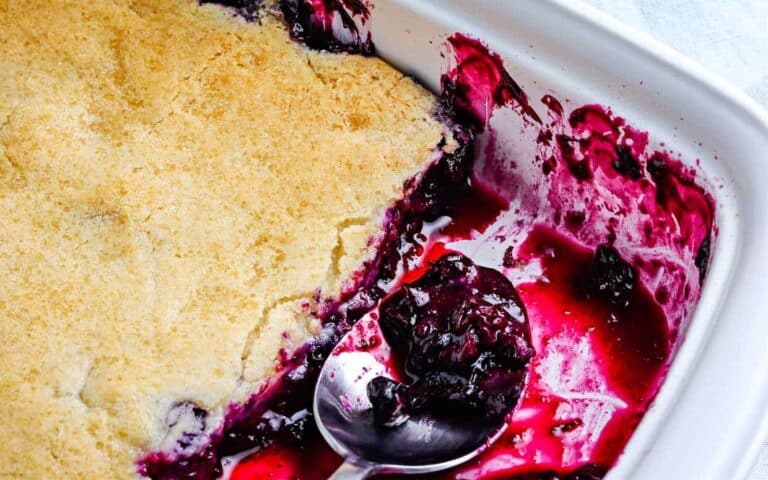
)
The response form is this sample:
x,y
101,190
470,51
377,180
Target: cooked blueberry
x,y
702,257
297,426
587,472
437,391
611,277
385,396
463,336
626,164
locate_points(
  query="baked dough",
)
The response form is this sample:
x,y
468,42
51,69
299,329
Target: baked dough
x,y
175,183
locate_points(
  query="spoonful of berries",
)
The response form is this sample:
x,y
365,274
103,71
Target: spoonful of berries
x,y
425,382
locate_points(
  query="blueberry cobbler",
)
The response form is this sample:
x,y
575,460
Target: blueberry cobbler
x,y
201,198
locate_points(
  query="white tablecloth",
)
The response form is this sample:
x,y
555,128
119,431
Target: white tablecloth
x,y
730,37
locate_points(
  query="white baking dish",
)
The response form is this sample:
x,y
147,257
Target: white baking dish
x,y
710,415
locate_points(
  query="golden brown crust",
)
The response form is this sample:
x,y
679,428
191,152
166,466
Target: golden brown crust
x,y
173,182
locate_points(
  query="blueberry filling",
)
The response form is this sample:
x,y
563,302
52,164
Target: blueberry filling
x,y
610,277
579,168
480,81
702,257
331,25
186,421
626,164
248,9
463,336
386,396
311,23
587,472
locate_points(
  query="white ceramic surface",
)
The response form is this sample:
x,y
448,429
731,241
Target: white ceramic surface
x,y
708,420
729,37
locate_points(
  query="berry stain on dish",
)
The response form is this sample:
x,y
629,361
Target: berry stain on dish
x,y
549,288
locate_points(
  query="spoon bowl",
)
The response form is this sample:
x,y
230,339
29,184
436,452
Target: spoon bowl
x,y
419,444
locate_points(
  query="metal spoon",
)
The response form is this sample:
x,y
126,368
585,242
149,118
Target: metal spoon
x,y
421,444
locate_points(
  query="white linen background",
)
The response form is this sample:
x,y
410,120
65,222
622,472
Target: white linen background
x,y
729,37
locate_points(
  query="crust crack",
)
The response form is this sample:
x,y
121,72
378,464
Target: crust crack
x,y
338,251
198,78
256,330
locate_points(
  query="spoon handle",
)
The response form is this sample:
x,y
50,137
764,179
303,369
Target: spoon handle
x,y
350,471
